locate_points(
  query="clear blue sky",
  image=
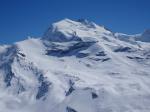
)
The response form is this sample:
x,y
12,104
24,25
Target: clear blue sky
x,y
22,18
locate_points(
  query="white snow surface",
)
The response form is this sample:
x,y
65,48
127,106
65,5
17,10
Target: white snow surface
x,y
77,66
67,30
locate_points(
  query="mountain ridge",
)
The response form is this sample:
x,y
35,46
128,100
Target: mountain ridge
x,y
91,70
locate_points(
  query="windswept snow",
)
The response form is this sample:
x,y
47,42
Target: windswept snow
x,y
67,30
77,66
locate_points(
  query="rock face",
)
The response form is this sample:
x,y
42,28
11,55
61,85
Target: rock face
x,y
77,66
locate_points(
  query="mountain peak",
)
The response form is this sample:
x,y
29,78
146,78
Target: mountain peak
x,y
83,20
68,30
145,36
62,74
147,32
87,23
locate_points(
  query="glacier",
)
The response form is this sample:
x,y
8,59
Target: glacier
x,y
77,66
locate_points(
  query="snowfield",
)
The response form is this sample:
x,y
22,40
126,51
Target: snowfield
x,y
77,66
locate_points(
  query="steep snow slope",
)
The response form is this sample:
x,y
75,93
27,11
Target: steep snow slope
x,y
77,66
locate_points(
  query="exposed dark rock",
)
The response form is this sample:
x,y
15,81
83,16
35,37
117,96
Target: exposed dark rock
x,y
82,55
106,59
43,89
9,74
41,78
71,89
21,54
69,109
94,95
20,89
95,59
123,49
72,50
102,53
137,58
8,78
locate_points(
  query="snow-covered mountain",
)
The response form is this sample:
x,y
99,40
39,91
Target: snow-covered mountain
x,y
144,37
77,66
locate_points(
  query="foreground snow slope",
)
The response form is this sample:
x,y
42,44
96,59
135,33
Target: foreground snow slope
x,y
77,66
